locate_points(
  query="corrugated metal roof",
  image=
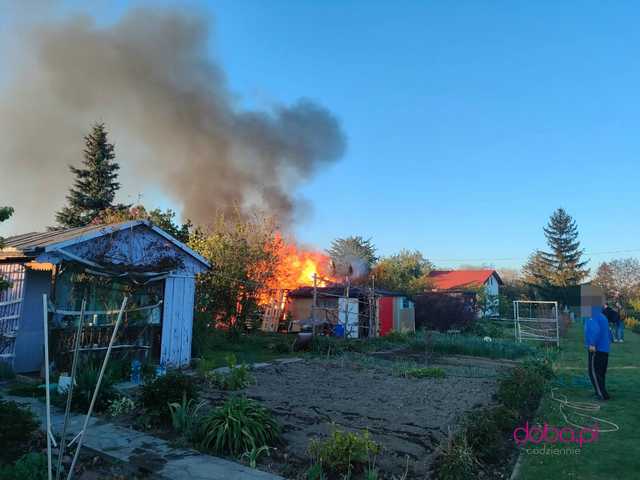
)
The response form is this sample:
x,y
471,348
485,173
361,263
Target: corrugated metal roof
x,y
35,240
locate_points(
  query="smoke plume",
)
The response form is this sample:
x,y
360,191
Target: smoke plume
x,y
167,106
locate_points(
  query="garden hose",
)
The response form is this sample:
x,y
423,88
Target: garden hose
x,y
577,407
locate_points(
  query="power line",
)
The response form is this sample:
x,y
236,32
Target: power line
x,y
511,259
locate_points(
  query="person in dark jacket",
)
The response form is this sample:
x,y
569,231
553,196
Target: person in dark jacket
x,y
617,325
597,341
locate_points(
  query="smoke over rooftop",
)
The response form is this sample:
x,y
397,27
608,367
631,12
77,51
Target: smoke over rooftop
x,y
166,103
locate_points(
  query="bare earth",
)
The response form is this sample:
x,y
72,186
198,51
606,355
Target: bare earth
x,y
408,417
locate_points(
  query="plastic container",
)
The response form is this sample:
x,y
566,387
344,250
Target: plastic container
x,y
136,372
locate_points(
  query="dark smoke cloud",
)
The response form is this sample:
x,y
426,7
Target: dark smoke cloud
x,y
175,123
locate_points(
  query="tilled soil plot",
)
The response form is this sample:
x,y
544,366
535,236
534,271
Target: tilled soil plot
x,y
408,417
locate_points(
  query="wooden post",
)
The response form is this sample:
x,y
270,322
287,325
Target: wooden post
x,y
346,307
45,307
315,302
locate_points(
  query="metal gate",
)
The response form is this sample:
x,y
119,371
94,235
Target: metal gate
x,y
536,320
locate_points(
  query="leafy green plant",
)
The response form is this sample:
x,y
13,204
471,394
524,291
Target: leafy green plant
x,y
237,378
315,472
343,452
17,425
254,454
237,426
120,406
457,461
185,415
167,389
32,466
521,390
488,432
425,372
26,390
6,371
86,380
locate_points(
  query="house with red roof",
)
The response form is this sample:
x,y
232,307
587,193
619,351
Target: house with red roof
x,y
468,282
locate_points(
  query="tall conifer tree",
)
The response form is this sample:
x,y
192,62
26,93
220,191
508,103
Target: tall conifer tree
x,y
95,184
564,261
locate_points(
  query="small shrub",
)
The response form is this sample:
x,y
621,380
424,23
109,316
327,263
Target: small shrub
x,y
27,390
238,377
238,426
32,466
254,454
457,461
169,388
315,472
17,425
426,372
120,406
86,380
6,371
488,433
344,452
521,390
185,415
632,323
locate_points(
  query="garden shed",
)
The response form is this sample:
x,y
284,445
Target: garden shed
x,y
100,264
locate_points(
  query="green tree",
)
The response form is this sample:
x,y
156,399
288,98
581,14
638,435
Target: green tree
x,y
5,213
354,251
244,256
406,271
564,262
95,184
620,279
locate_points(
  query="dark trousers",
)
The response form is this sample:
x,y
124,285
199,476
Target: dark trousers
x,y
598,362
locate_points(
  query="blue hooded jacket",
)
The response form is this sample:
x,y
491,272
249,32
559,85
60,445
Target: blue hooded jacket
x,y
596,331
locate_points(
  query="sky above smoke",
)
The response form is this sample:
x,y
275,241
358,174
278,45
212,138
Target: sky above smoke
x,y
175,121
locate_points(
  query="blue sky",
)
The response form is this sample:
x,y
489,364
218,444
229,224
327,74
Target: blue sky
x,y
468,123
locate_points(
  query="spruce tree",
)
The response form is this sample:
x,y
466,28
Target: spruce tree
x,y
564,262
95,184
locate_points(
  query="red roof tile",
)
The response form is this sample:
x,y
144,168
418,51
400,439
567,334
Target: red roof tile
x,y
460,279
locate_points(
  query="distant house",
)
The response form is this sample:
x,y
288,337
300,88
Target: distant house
x,y
100,264
467,283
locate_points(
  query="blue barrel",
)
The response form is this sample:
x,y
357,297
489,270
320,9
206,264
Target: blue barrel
x,y
338,331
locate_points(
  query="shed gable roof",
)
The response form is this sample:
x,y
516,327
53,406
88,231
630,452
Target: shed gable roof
x,y
461,279
33,244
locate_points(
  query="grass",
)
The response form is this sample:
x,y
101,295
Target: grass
x,y
615,454
440,343
249,348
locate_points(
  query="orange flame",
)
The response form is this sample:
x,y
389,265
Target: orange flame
x,y
297,266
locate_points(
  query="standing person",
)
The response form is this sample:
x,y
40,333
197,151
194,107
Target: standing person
x,y
619,325
597,341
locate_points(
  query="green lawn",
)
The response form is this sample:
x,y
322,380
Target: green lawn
x,y
614,455
249,348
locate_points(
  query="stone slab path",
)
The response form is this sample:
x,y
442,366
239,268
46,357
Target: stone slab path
x,y
146,451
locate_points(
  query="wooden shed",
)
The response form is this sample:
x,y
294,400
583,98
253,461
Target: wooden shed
x,y
101,264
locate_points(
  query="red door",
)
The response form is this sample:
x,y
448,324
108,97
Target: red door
x,y
385,315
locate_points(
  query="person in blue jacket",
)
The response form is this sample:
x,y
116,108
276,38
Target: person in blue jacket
x,y
597,341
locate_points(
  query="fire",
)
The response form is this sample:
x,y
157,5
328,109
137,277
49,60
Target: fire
x,y
297,267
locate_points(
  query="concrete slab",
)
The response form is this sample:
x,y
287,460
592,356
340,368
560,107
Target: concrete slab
x,y
146,451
